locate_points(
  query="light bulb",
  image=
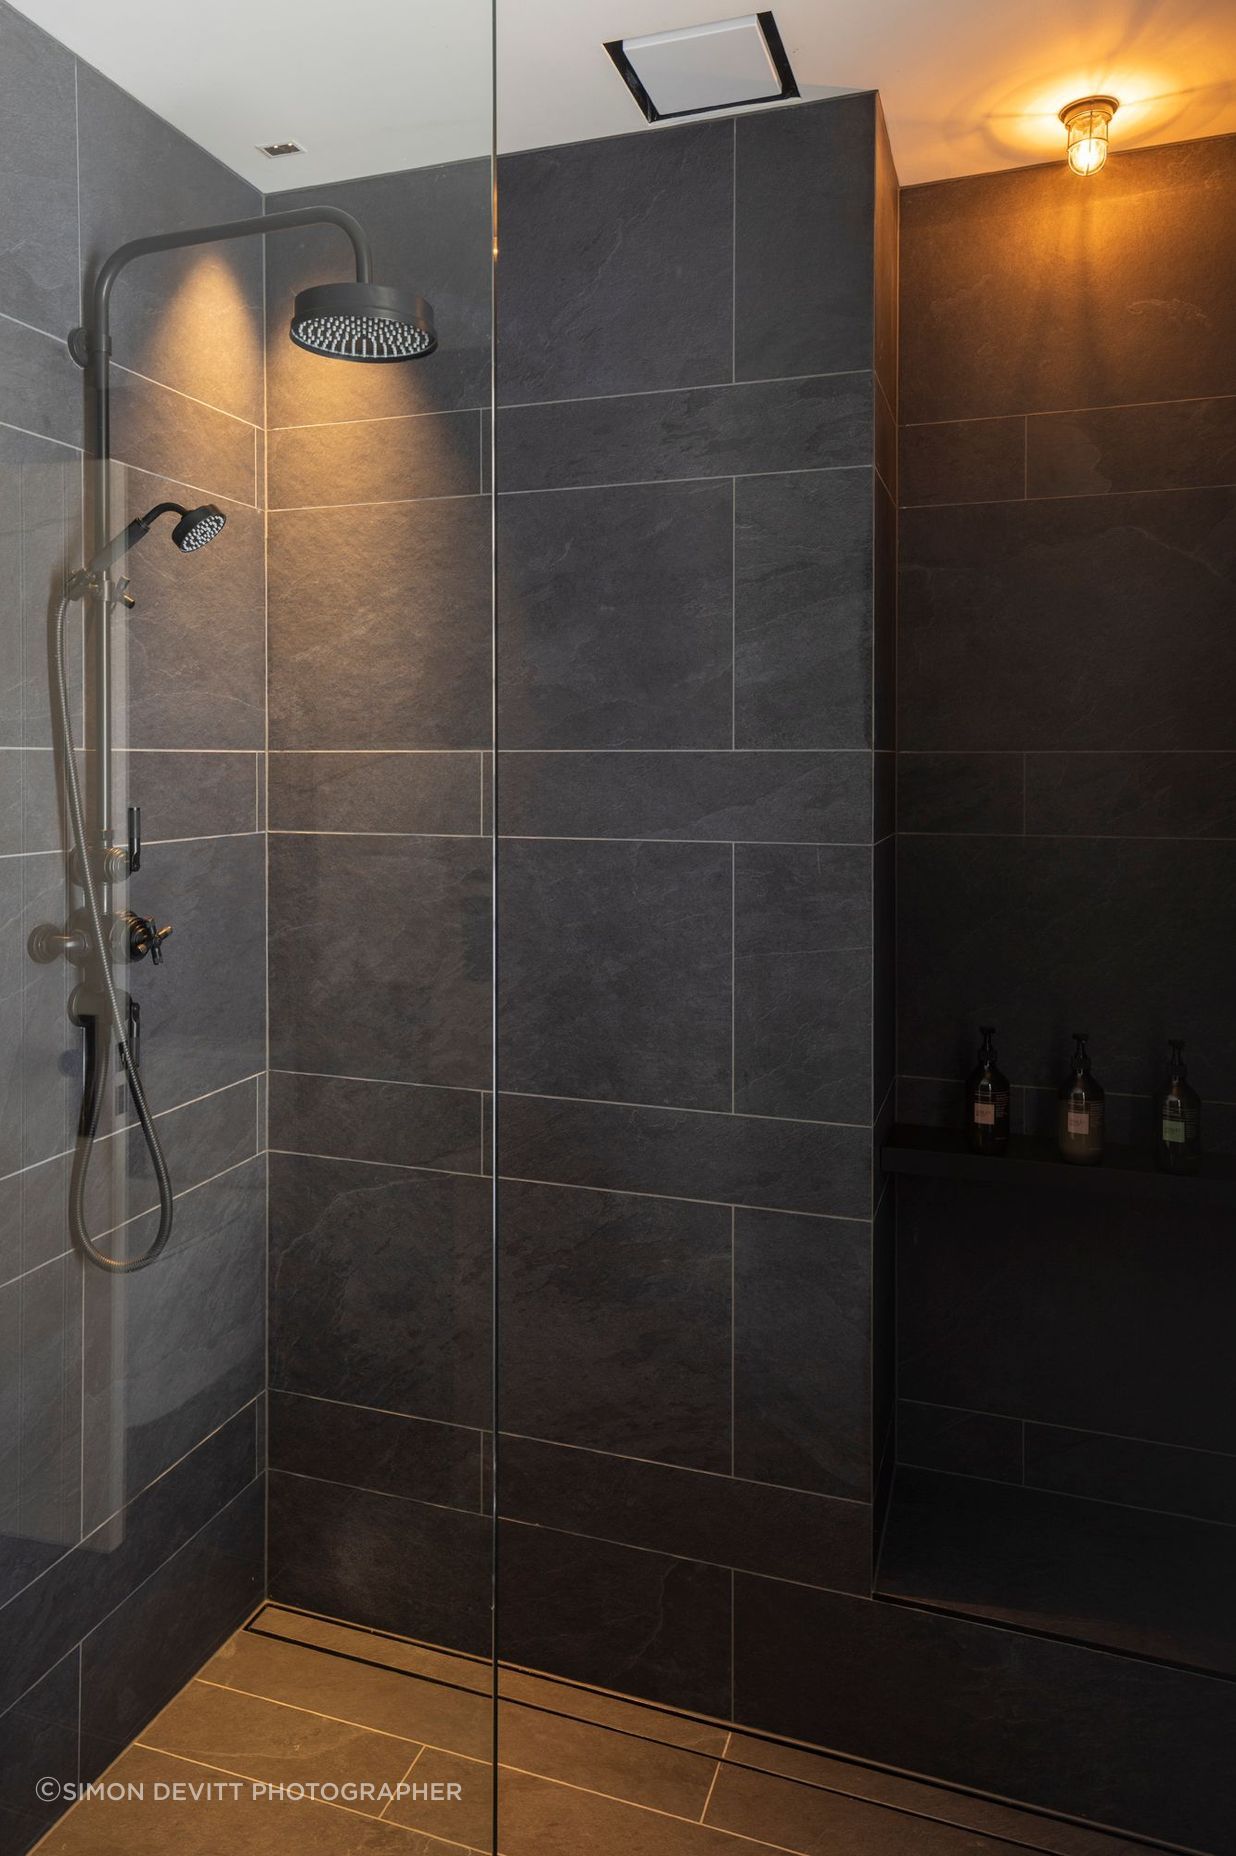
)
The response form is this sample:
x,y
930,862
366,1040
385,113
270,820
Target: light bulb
x,y
1087,122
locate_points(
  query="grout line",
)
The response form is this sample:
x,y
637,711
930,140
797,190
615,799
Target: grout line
x,y
720,476
1075,496
683,1198
402,1782
682,1108
703,1817
1067,412
165,386
386,1082
1044,1424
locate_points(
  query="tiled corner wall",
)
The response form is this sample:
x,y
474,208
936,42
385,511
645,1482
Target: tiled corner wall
x,y
130,1501
1066,813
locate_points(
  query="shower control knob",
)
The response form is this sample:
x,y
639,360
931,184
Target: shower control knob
x,y
144,936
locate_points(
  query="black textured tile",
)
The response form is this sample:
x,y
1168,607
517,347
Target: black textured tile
x,y
416,585
1180,445
642,1623
38,1740
818,423
196,640
381,1561
615,971
40,499
1104,1737
1139,1475
804,216
968,793
803,981
139,176
990,600
766,797
157,429
439,794
395,1124
418,976
963,1443
1132,795
616,1322
886,214
963,461
803,610
134,1662
209,1027
616,265
884,631
430,231
1148,1584
983,940
38,222
39,1047
883,976
616,617
786,1533
37,385
791,1165
43,1622
884,795
171,1353
412,459
968,346
378,1450
802,1353
188,795
379,1288
40,1421
1083,1320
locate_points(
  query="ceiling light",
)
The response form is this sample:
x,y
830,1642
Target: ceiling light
x,y
274,149
720,66
1087,122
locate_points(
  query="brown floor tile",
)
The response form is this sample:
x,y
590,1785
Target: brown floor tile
x,y
540,1691
996,1820
205,1826
539,1818
423,1711
450,1798
270,1741
820,1823
620,1765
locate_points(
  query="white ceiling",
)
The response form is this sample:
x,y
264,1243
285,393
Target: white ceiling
x,y
372,85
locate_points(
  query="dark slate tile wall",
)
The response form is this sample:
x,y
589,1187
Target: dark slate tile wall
x,y
1066,681
696,345
128,1404
380,688
1065,856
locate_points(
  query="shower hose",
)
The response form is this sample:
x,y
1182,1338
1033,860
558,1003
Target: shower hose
x,y
92,1109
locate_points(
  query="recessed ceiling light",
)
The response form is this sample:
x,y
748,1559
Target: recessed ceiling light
x,y
720,66
274,149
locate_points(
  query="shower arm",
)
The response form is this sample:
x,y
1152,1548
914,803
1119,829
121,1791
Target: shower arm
x,y
91,347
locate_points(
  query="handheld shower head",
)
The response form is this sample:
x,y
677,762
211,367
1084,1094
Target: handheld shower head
x,y
363,322
195,528
198,526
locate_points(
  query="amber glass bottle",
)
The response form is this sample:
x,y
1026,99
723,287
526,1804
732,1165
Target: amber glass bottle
x,y
987,1100
1079,1116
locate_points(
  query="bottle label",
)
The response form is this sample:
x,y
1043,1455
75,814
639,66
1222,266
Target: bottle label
x,y
1173,1130
1079,1121
985,1114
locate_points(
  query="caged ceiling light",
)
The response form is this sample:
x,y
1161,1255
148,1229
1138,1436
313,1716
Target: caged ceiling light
x,y
1087,122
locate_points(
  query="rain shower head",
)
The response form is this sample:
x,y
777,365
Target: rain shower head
x,y
195,528
363,322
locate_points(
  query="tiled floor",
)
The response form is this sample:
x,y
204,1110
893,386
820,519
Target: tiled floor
x,y
301,1703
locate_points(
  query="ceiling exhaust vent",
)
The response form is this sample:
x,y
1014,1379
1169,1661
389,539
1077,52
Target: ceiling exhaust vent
x,y
721,66
274,149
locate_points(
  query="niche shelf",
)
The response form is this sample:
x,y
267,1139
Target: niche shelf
x,y
1125,1172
